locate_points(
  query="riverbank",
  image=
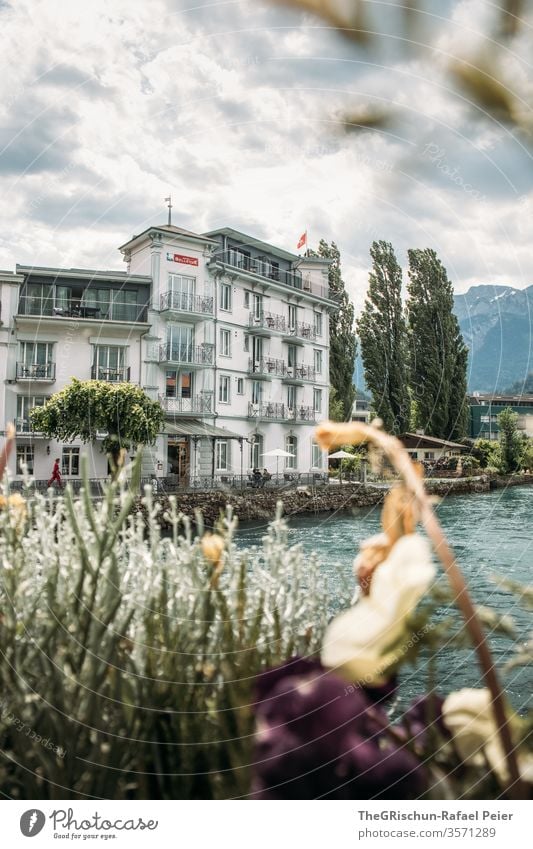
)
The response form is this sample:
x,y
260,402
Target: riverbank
x,y
261,504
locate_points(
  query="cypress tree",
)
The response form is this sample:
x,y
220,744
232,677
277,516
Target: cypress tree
x,y
437,352
342,344
382,335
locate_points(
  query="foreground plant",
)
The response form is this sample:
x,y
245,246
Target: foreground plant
x,y
467,744
127,659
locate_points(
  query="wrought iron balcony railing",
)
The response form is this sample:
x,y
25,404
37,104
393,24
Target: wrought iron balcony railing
x,y
182,302
197,405
111,375
201,355
268,321
274,410
266,366
301,330
36,371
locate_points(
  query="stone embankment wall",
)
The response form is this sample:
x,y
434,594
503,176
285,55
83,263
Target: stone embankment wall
x,y
261,504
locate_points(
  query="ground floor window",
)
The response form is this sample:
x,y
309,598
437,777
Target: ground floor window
x,y
222,455
70,461
291,446
256,452
316,456
25,457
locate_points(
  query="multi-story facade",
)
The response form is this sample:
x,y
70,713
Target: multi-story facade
x,y
229,333
485,409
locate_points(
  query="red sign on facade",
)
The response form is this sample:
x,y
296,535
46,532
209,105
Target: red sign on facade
x,y
185,260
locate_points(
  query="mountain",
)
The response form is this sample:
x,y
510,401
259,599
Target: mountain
x,y
497,325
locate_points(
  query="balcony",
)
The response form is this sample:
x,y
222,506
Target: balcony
x,y
255,267
42,372
191,355
266,367
23,428
299,374
78,309
110,375
267,323
195,306
300,332
198,405
281,412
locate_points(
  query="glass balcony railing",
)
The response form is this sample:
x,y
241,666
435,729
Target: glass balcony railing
x,y
265,270
98,310
36,371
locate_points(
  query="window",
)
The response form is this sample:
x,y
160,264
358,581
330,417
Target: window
x,y
224,389
246,343
291,355
256,452
239,258
292,317
240,386
222,455
246,300
225,343
178,384
257,307
316,456
291,397
25,403
225,297
70,461
318,361
318,323
108,363
25,457
37,299
180,342
429,455
257,391
36,359
182,290
317,400
291,446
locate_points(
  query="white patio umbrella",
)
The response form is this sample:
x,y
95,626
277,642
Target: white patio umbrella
x,y
340,455
277,453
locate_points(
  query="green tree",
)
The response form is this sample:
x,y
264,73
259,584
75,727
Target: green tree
x,y
382,335
85,408
437,352
511,443
336,406
342,341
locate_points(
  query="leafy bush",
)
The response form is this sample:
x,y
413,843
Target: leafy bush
x,y
127,669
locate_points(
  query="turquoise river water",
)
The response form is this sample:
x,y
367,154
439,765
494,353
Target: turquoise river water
x,y
491,534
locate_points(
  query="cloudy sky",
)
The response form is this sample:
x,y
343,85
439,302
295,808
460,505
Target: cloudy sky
x,y
236,108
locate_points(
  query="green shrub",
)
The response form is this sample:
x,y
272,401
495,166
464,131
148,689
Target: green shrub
x,y
126,671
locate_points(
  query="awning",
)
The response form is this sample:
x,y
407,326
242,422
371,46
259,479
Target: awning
x,y
191,427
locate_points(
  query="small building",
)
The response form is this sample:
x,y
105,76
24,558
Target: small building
x,y
430,448
361,410
485,409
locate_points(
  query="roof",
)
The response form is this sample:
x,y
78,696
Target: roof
x,y
170,229
253,242
192,427
85,273
421,439
480,399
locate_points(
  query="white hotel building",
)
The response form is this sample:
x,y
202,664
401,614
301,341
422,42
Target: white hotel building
x,y
229,333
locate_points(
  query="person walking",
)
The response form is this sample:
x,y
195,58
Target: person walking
x,y
56,475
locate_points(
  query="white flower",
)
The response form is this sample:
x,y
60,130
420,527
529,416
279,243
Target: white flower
x,y
469,718
367,639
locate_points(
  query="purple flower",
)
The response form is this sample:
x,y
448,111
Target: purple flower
x,y
319,737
